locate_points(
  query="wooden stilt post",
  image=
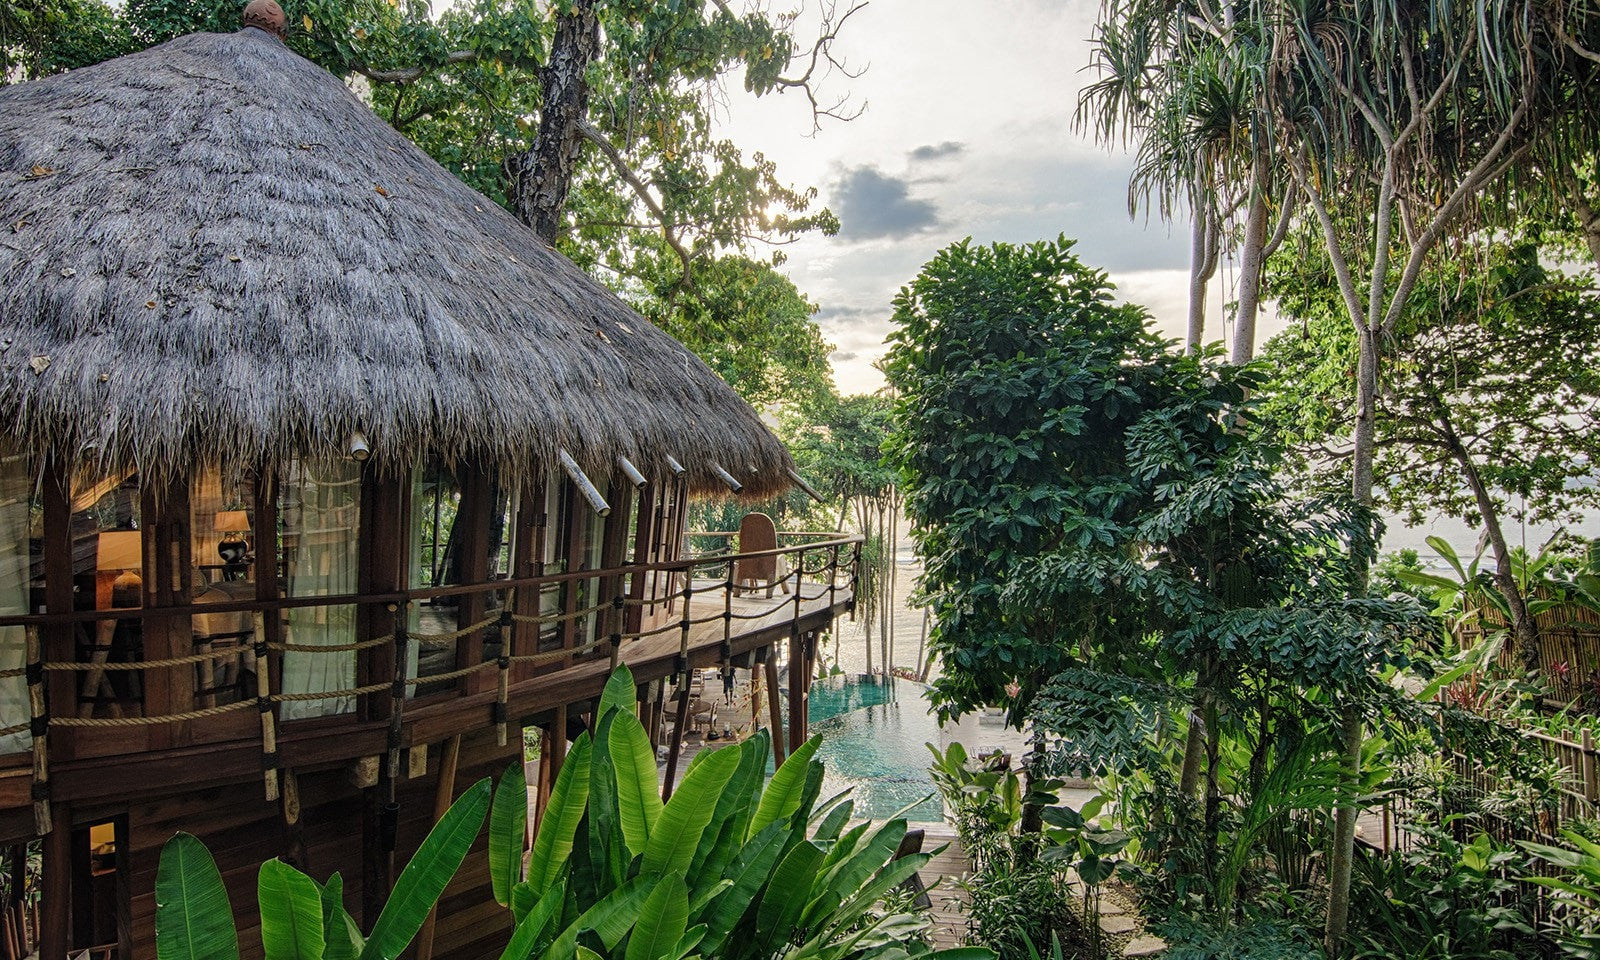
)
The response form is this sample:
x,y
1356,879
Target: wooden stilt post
x,y
56,921
541,792
444,793
558,742
770,669
677,740
797,690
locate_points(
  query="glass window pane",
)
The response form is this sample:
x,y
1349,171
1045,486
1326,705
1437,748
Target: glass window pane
x,y
16,489
222,528
320,516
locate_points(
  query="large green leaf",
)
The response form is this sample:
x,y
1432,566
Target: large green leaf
x,y
341,937
610,919
621,694
662,921
425,877
508,832
291,913
844,878
193,918
562,812
531,928
720,843
786,896
638,790
684,818
602,833
786,789
749,874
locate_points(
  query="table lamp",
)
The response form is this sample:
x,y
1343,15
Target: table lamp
x,y
233,525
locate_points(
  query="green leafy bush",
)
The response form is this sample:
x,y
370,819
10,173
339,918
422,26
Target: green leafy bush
x,y
732,866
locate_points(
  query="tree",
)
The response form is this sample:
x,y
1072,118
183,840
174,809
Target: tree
x,y
47,36
753,326
1103,540
1491,393
1016,378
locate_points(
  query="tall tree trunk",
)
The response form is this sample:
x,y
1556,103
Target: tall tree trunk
x,y
1524,632
1342,859
541,178
1252,258
1202,267
1344,838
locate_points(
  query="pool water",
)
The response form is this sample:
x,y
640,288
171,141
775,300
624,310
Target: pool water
x,y
873,734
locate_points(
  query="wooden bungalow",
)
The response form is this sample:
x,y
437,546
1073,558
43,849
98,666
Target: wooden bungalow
x,y
320,480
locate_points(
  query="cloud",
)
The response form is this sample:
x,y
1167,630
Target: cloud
x,y
843,356
937,151
872,204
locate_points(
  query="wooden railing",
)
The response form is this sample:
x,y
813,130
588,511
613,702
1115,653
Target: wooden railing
x,y
631,605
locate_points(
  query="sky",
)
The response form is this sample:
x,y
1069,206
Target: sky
x,y
968,131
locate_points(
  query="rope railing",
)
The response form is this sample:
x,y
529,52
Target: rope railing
x,y
823,561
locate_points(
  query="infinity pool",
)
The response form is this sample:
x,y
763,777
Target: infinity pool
x,y
873,735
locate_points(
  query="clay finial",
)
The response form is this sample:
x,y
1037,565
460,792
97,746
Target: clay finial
x,y
265,15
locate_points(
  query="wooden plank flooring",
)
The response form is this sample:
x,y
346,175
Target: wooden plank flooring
x,y
949,899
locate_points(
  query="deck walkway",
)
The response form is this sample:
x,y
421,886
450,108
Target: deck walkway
x,y
949,898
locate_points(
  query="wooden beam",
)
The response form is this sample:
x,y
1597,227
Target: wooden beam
x,y
478,503
61,685
775,708
527,559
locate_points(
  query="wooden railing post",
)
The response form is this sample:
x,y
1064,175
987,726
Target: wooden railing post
x,y
727,616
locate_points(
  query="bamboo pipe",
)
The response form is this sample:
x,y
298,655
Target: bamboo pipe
x,y
726,477
800,482
632,472
584,484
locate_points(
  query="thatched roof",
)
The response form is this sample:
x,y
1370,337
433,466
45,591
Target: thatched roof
x,y
214,251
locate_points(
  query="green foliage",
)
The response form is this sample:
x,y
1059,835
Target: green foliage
x,y
1253,941
1103,532
1017,892
301,920
1440,899
728,867
1016,375
1576,918
1494,367
753,326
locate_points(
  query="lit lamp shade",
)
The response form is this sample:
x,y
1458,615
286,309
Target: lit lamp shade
x,y
232,521
121,550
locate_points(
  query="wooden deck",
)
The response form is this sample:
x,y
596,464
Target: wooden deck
x,y
757,623
948,898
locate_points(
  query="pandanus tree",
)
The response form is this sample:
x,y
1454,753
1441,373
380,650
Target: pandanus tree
x,y
1181,83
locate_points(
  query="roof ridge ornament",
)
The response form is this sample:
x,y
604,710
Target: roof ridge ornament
x,y
267,16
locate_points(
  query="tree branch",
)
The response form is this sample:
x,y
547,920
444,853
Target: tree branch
x,y
412,74
626,172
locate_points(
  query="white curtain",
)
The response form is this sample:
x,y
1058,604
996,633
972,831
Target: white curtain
x,y
321,512
15,487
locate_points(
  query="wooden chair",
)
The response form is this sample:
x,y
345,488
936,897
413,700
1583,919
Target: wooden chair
x,y
757,533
